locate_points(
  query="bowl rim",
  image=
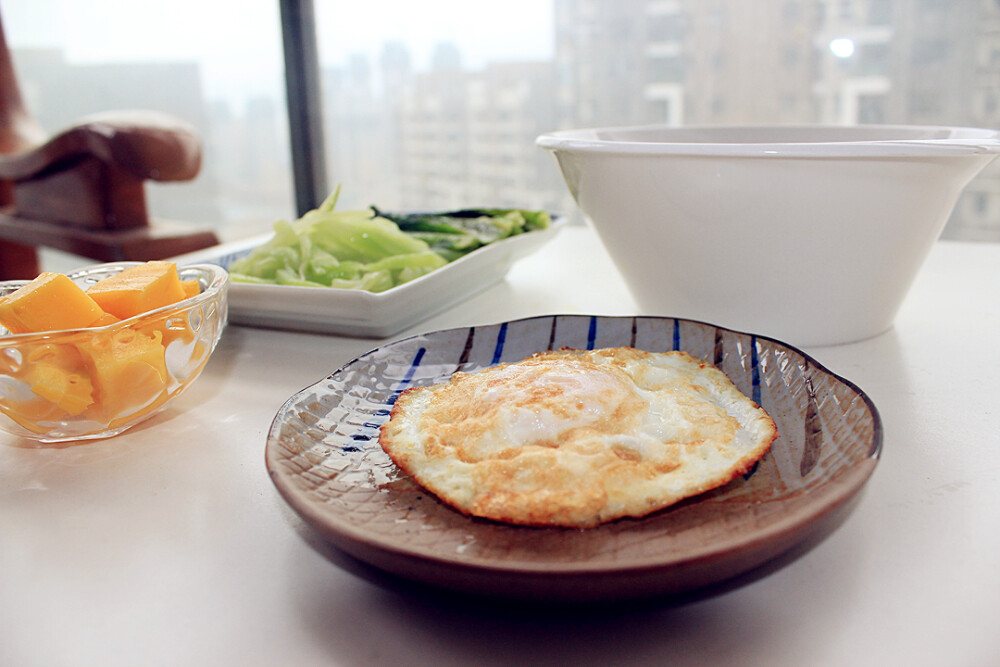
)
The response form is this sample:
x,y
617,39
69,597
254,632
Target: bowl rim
x,y
218,282
926,140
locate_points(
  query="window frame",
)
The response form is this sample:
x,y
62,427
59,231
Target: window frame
x,y
303,97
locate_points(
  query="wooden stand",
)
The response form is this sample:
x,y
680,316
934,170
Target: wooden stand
x,y
82,190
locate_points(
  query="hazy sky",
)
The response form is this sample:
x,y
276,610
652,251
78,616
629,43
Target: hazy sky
x,y
238,41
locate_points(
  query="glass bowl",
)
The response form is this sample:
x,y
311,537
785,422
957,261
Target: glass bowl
x,y
81,384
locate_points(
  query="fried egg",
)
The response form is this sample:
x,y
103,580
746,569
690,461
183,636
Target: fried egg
x,y
576,438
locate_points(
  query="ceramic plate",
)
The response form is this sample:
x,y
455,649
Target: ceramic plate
x,y
323,455
365,314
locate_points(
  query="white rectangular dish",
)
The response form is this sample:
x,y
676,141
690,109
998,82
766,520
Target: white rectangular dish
x,y
363,314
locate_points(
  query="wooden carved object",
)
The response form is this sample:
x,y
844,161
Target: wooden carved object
x,y
82,190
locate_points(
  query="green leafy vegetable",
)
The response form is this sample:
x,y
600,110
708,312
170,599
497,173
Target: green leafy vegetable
x,y
373,250
456,233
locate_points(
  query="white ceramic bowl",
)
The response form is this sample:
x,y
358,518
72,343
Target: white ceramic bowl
x,y
810,234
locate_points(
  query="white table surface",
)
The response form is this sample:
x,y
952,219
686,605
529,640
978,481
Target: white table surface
x,y
168,545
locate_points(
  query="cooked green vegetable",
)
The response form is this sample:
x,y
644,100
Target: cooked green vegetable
x,y
456,233
373,250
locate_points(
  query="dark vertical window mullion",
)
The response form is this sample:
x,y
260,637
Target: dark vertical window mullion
x,y
304,98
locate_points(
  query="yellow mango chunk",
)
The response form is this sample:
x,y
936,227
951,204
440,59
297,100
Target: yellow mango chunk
x,y
128,369
71,392
191,288
65,355
30,414
152,406
56,375
138,289
48,303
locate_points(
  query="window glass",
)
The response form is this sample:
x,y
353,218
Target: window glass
x,y
214,64
437,104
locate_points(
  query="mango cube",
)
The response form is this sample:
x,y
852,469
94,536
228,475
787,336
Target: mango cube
x,y
191,288
50,302
64,355
128,369
138,289
72,392
30,413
